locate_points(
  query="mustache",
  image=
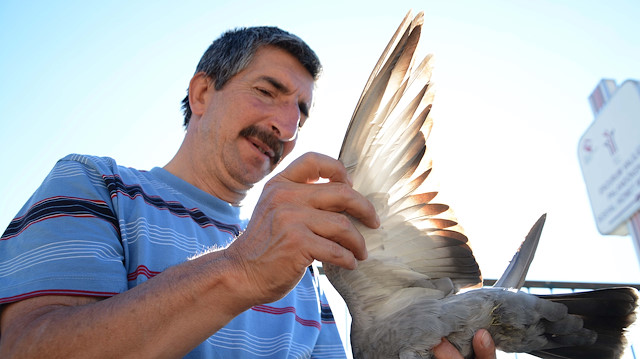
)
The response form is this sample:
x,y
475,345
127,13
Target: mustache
x,y
268,138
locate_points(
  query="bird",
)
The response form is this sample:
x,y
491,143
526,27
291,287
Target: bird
x,y
421,282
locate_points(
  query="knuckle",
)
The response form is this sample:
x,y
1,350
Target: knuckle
x,y
311,158
277,193
317,157
343,222
344,191
275,187
336,250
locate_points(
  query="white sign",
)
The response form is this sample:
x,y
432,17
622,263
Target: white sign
x,y
609,154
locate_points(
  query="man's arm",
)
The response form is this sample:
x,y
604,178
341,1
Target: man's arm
x,y
164,317
294,223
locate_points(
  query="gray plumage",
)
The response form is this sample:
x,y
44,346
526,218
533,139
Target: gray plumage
x,y
405,297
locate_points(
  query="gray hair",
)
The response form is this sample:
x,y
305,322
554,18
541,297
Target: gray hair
x,y
234,50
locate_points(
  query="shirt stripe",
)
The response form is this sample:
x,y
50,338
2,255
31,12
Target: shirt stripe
x,y
326,314
38,293
287,310
242,340
142,270
116,186
60,206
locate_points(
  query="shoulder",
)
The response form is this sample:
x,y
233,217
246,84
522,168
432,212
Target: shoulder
x,y
106,165
103,169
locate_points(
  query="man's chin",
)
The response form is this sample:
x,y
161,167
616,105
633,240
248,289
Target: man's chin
x,y
253,176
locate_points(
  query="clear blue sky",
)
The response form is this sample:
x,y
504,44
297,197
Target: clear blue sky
x,y
512,81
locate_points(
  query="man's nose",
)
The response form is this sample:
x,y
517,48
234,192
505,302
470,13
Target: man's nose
x,y
286,122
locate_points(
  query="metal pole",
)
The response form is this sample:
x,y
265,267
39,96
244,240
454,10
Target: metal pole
x,y
634,231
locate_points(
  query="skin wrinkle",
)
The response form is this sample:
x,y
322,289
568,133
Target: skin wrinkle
x,y
224,162
302,106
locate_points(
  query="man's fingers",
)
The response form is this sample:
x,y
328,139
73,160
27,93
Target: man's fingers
x,y
446,350
310,167
336,195
483,345
339,197
338,229
328,251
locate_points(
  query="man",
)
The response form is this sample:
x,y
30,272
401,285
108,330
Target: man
x,y
108,261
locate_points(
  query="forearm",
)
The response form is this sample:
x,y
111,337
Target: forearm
x,y
165,317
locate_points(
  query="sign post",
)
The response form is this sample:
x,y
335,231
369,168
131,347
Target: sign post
x,y
609,154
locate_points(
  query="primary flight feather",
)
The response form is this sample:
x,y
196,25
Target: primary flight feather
x,y
405,297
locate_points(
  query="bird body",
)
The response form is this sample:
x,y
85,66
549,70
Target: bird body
x,y
407,295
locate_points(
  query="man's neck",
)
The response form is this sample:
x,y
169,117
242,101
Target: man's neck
x,y
187,170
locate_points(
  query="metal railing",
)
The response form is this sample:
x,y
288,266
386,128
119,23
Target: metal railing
x,y
573,286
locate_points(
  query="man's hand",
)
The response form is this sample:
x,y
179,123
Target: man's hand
x,y
483,347
298,220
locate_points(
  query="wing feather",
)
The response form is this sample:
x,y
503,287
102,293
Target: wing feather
x,y
389,74
419,244
413,199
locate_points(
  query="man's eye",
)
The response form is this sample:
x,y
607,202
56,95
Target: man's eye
x,y
264,91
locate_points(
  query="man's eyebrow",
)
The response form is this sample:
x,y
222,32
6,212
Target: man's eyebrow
x,y
304,108
276,84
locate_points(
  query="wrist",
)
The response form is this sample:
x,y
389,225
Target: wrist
x,y
225,280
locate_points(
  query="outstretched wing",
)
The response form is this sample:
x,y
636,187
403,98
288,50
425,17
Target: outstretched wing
x,y
419,249
400,297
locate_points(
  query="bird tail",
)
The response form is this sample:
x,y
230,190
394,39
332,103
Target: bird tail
x,y
609,312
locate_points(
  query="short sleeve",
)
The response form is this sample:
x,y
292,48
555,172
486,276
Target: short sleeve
x,y
65,240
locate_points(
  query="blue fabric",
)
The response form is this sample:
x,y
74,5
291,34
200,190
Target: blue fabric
x,y
96,228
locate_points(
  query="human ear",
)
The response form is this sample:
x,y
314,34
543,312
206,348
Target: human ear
x,y
198,86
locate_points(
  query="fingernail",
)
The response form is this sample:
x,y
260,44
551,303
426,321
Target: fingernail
x,y
485,339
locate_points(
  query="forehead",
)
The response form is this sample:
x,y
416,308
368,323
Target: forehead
x,y
273,62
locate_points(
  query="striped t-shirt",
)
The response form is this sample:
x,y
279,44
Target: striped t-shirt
x,y
95,228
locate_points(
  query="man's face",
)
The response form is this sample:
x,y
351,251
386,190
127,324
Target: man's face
x,y
252,122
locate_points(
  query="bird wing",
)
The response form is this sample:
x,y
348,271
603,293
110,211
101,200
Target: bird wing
x,y
400,298
420,245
